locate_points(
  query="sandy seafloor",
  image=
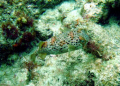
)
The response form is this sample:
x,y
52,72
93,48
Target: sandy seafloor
x,y
100,67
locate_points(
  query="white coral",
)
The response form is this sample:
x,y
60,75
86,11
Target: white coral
x,y
91,10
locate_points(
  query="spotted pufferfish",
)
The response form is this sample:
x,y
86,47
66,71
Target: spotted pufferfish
x,y
64,42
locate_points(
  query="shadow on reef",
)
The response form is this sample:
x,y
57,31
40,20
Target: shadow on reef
x,y
7,50
25,44
19,39
43,5
110,10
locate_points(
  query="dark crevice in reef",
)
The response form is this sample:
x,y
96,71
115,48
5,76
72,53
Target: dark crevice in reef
x,y
43,5
110,10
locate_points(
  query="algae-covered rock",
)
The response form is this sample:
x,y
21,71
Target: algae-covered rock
x,y
92,11
17,25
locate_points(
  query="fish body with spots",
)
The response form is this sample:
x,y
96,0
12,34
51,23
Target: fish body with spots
x,y
64,42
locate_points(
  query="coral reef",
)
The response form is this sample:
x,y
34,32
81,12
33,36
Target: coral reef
x,y
17,25
75,43
16,37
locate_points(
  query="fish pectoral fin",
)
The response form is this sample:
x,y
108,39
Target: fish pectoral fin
x,y
42,55
33,56
41,44
71,48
